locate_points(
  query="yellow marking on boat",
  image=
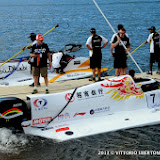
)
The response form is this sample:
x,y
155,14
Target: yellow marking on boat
x,y
73,71
85,64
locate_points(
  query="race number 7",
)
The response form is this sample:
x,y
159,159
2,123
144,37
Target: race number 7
x,y
153,96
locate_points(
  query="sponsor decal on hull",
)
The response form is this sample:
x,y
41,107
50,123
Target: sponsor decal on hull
x,y
100,110
79,114
40,104
123,89
63,116
10,68
62,129
41,120
68,96
69,75
87,94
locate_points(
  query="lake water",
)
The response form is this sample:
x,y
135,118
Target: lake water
x,y
75,18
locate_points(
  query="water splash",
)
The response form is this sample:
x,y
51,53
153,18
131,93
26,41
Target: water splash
x,y
11,143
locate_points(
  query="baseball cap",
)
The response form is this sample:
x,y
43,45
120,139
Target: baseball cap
x,y
32,35
152,28
93,30
39,37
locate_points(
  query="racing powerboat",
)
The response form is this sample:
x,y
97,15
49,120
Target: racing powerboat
x,y
109,105
18,71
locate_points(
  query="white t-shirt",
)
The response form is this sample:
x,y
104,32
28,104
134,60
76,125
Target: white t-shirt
x,y
150,39
56,57
89,42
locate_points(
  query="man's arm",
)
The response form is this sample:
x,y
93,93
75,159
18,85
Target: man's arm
x,y
104,45
88,46
145,42
128,48
149,39
111,49
49,57
113,45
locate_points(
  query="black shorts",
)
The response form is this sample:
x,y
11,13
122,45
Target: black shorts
x,y
120,61
95,61
154,57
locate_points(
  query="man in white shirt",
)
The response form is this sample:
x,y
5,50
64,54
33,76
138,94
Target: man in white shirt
x,y
153,39
94,45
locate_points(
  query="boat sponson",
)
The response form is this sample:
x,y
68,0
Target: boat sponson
x,y
109,105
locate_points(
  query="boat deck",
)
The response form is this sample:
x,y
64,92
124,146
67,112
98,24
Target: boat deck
x,y
22,91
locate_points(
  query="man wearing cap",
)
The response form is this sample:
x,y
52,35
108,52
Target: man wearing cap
x,y
153,38
40,53
94,45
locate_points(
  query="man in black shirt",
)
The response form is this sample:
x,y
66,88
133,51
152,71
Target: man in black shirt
x,y
40,53
120,55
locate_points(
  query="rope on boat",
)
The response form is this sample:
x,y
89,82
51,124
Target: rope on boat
x,y
59,112
63,107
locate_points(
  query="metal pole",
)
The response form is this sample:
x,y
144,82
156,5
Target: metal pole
x,y
117,35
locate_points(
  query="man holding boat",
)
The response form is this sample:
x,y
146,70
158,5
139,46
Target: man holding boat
x,y
153,39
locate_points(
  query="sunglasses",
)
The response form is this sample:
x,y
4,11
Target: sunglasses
x,y
121,33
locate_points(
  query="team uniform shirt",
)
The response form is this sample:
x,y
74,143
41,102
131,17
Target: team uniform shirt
x,y
95,55
120,55
153,38
89,42
115,35
119,49
42,51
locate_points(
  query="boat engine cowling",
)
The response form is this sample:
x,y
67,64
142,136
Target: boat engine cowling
x,y
13,111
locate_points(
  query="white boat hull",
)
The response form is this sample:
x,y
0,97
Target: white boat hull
x,y
77,68
106,106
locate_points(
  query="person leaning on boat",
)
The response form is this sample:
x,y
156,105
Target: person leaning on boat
x,y
40,53
94,45
153,38
120,55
